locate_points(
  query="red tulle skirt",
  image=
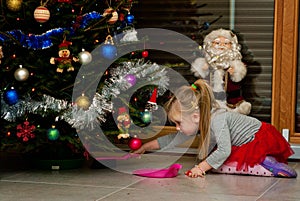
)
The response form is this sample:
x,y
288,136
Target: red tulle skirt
x,y
267,142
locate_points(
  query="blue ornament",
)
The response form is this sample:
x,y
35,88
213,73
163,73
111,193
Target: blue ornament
x,y
108,50
129,18
53,133
206,25
11,96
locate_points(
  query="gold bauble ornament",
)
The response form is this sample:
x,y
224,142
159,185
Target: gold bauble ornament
x,y
14,5
83,102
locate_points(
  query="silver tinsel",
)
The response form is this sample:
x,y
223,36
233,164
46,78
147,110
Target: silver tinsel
x,y
151,74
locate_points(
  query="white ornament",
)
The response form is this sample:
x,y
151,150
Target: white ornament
x,y
85,57
21,74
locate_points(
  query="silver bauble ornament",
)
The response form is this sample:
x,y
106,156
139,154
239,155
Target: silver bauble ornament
x,y
21,74
85,57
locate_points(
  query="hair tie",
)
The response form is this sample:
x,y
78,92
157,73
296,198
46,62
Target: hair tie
x,y
194,87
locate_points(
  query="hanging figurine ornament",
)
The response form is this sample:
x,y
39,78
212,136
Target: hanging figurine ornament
x,y
124,123
151,104
65,59
21,74
25,130
108,50
14,5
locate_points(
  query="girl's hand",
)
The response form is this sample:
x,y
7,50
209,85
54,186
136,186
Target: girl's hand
x,y
141,150
195,172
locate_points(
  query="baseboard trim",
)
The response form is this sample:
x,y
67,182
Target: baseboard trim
x,y
296,149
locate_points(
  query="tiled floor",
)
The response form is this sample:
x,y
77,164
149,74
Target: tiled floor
x,y
90,184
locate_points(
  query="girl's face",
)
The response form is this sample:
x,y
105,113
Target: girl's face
x,y
186,123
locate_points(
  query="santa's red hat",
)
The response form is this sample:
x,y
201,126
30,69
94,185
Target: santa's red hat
x,y
122,110
153,96
64,45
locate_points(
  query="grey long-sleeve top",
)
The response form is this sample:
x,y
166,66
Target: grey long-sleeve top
x,y
227,129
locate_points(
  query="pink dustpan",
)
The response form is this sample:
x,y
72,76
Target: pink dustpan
x,y
170,172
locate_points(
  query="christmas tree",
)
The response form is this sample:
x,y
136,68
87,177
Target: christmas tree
x,y
66,69
44,44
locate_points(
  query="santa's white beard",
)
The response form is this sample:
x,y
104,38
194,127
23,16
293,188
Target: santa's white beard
x,y
220,58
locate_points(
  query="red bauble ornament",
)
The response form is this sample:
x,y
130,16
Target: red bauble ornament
x,y
145,54
135,143
41,14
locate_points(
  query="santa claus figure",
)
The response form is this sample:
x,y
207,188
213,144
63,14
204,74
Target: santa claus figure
x,y
65,59
222,67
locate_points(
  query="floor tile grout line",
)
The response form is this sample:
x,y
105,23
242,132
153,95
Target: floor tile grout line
x,y
268,189
125,187
60,184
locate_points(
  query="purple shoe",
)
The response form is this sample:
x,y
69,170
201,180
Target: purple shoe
x,y
278,169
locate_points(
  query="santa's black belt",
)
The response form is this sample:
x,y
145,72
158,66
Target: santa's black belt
x,y
233,94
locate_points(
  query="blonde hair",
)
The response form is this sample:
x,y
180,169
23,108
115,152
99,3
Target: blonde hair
x,y
186,100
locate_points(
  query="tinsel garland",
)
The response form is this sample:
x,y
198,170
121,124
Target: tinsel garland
x,y
149,73
44,41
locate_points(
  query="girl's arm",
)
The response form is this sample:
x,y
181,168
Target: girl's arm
x,y
152,145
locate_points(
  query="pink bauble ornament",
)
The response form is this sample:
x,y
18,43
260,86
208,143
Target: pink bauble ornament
x,y
41,14
135,143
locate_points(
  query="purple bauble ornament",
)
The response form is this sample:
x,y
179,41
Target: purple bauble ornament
x,y
131,79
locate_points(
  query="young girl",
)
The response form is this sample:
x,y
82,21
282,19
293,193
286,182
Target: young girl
x,y
229,142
